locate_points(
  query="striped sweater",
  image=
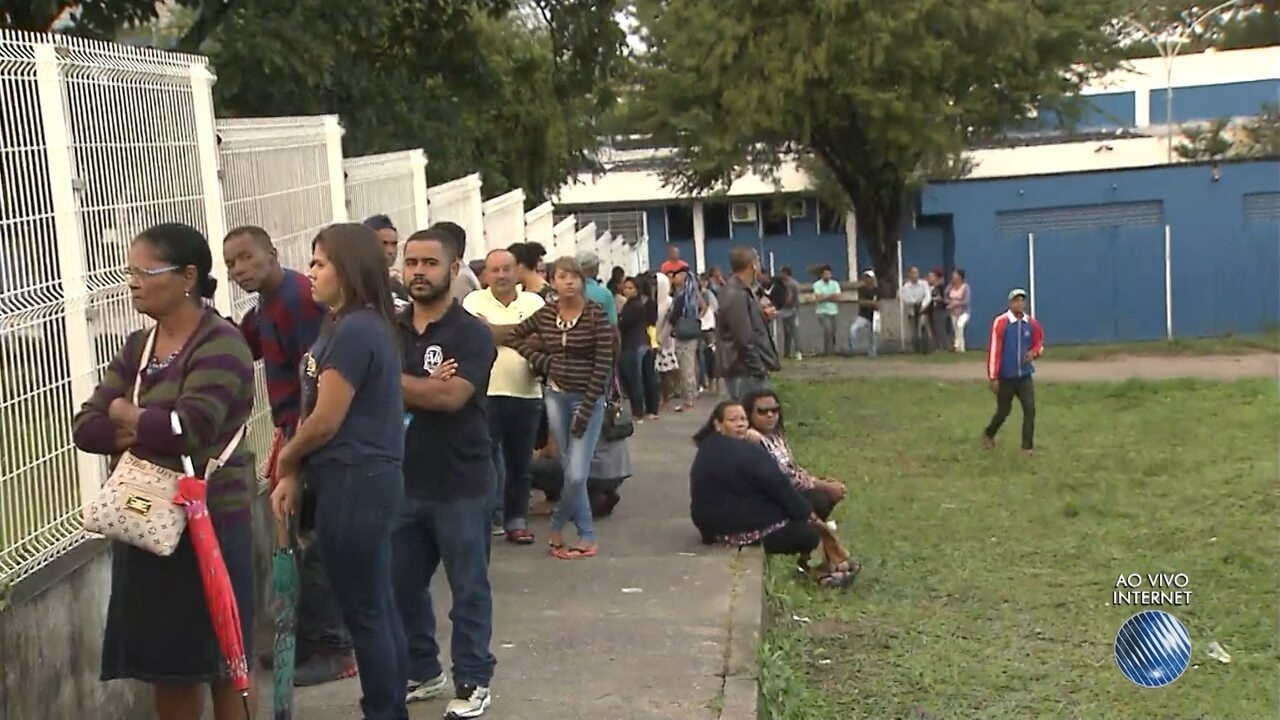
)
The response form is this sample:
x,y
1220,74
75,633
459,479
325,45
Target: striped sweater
x,y
210,385
576,359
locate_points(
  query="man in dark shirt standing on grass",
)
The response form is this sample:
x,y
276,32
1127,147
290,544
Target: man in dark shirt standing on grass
x,y
448,477
280,330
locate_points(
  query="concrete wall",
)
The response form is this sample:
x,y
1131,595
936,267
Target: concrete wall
x,y
51,637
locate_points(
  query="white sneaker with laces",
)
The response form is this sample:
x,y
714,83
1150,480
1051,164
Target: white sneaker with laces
x,y
471,701
426,689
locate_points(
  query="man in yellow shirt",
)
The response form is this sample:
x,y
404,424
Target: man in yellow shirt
x,y
515,394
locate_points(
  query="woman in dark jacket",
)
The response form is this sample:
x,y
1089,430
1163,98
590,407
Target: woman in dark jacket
x,y
738,494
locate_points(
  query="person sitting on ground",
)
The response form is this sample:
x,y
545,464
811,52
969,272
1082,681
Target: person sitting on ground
x,y
764,414
739,496
609,468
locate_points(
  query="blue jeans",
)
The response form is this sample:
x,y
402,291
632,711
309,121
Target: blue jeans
x,y
575,456
356,507
513,428
856,330
454,533
642,391
742,385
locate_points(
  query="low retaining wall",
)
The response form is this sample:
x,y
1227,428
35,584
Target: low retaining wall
x,y
51,636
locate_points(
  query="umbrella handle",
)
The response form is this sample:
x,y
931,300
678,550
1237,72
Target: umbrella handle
x,y
176,425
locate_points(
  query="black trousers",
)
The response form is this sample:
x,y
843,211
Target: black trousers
x,y
797,537
1023,389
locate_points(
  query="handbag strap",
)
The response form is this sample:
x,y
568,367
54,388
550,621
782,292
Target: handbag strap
x,y
229,450
142,365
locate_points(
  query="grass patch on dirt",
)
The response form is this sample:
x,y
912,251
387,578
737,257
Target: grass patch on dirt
x,y
988,577
1226,345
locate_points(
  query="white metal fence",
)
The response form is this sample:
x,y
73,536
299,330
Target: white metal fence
x,y
563,235
97,143
392,184
539,225
504,220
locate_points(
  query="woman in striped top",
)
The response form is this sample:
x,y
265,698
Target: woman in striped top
x,y
570,343
158,629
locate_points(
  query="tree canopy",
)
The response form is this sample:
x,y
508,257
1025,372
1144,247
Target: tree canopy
x,y
513,89
873,94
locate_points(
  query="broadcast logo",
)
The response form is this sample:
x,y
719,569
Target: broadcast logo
x,y
1152,648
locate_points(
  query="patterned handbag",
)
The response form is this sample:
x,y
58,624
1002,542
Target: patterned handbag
x,y
136,505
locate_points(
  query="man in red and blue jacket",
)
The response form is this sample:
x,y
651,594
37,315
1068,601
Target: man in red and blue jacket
x,y
1016,340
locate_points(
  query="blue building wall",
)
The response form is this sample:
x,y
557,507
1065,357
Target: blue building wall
x,y
1209,102
1099,249
806,245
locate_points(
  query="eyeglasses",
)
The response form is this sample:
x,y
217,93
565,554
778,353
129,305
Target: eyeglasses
x,y
131,272
767,410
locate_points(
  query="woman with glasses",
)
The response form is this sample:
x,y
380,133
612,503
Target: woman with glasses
x,y
197,366
764,414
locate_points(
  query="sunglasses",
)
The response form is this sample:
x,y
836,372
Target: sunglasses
x,y
767,410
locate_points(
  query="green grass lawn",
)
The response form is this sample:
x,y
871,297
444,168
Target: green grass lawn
x,y
1226,345
988,577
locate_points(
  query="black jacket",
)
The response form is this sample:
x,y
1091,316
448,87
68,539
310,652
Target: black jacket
x,y
744,347
736,486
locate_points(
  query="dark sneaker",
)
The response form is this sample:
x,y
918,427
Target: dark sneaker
x,y
321,668
426,689
470,701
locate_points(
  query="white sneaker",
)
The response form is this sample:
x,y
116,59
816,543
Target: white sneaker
x,y
471,701
426,689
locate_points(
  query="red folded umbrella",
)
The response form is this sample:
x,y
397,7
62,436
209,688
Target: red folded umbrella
x,y
218,594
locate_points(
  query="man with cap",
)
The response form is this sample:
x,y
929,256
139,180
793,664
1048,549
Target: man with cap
x,y
594,291
868,307
1016,340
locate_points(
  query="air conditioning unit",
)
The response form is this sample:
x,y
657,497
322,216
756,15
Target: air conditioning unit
x,y
796,208
743,212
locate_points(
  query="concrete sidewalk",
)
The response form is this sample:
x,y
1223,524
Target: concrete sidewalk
x,y
657,626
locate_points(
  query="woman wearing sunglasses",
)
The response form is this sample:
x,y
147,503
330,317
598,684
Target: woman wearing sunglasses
x,y
764,414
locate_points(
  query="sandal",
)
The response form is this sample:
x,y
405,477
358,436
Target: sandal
x,y
520,536
576,553
838,579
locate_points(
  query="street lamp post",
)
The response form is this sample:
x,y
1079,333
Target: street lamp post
x,y
1169,45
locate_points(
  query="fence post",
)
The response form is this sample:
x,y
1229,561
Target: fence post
x,y
71,256
337,178
210,182
418,161
1168,283
851,244
1031,272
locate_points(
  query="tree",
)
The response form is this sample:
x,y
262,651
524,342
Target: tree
x,y
106,19
1152,23
1205,142
1260,136
875,92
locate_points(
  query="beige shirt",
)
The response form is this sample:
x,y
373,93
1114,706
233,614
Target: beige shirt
x,y
511,376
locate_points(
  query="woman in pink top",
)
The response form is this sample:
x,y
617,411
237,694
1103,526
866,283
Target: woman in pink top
x,y
958,306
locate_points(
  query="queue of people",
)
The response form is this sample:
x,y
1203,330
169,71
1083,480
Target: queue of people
x,y
416,407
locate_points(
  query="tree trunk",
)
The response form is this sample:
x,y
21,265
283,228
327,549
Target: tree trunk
x,y
880,226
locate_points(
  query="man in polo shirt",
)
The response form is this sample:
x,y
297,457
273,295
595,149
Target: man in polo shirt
x,y
448,478
515,396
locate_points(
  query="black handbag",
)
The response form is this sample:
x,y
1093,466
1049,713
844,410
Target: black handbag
x,y
618,424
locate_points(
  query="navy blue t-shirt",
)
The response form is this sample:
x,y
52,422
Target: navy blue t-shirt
x,y
359,347
448,455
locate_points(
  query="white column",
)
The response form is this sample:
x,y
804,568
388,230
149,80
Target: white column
x,y
1031,272
1168,283
699,237
1142,106
71,260
420,212
207,152
337,178
851,244
644,241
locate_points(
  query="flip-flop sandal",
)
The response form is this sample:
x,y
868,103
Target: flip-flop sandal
x,y
520,537
576,553
836,580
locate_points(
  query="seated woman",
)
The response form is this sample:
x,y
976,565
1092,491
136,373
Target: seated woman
x,y
764,413
739,496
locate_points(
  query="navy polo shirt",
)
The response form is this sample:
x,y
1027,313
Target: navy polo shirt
x,y
447,455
